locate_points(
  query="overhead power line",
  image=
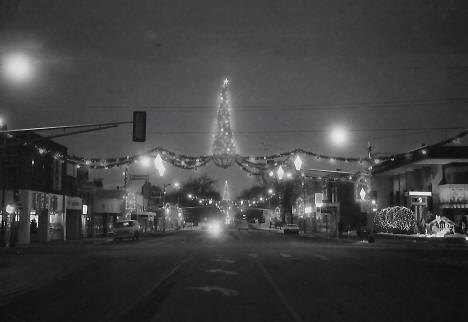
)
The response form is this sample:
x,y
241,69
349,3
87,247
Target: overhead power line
x,y
286,107
408,129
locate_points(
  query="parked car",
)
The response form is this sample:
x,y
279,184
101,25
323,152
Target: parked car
x,y
243,225
126,229
291,229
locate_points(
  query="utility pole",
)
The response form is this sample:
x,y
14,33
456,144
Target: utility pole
x,y
163,205
4,242
125,191
304,187
370,212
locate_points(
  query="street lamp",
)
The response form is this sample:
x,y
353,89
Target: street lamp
x,y
3,127
339,135
17,67
145,161
10,209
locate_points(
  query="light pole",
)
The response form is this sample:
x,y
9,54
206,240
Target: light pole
x,y
3,127
17,68
165,185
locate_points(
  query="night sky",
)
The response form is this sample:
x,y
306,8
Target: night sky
x,y
370,66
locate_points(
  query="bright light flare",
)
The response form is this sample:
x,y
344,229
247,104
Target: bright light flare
x,y
215,228
339,135
145,161
10,209
17,67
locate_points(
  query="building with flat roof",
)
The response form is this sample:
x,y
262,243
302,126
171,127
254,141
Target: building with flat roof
x,y
431,180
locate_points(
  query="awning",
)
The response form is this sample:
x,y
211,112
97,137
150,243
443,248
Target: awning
x,y
454,205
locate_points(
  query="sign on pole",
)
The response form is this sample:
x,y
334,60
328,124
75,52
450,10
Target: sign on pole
x,y
318,199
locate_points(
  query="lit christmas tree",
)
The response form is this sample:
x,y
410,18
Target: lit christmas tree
x,y
226,195
224,147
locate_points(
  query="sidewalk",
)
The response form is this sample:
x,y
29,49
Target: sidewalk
x,y
456,238
315,235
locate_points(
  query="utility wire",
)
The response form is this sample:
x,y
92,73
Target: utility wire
x,y
315,130
270,107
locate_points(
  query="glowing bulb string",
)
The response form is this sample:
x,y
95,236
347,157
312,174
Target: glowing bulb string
x,y
246,163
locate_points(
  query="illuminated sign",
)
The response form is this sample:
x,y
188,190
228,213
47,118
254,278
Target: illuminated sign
x,y
319,199
420,193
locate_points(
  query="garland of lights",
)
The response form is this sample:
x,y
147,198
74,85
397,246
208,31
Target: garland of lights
x,y
224,152
250,164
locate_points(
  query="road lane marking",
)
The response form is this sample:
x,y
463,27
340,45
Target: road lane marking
x,y
285,255
223,260
321,257
278,292
222,271
124,309
253,255
222,290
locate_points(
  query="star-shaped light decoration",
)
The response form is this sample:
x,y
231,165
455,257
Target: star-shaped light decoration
x,y
362,194
298,163
280,173
159,164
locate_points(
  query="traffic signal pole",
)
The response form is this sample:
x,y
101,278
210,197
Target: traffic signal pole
x,y
3,241
139,135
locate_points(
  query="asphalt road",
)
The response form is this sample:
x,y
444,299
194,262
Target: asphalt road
x,y
245,276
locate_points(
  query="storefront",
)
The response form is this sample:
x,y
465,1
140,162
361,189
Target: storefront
x,y
453,200
146,219
74,220
107,208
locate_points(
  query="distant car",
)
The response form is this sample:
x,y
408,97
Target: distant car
x,y
243,225
126,229
291,229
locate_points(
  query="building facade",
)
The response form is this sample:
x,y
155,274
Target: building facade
x,y
37,184
431,183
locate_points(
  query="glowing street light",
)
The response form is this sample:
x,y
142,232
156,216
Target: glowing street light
x,y
10,209
270,191
176,185
339,135
145,161
17,67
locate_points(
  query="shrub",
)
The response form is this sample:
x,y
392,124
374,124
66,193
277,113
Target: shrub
x,y
398,220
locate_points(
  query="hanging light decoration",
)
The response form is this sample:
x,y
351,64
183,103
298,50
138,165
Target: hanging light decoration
x,y
159,164
298,163
280,173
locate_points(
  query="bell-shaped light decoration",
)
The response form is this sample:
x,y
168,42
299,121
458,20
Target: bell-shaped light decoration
x,y
280,173
298,163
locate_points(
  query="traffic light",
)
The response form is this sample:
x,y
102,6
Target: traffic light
x,y
139,126
125,178
16,195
